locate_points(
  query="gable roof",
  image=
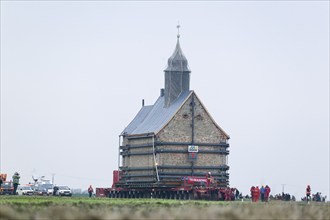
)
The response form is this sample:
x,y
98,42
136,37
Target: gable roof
x,y
152,118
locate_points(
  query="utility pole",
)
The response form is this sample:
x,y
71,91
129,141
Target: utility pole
x,y
53,175
283,188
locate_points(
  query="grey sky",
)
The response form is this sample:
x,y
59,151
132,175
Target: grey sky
x,y
73,75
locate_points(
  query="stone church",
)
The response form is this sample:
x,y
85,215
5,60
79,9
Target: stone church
x,y
174,137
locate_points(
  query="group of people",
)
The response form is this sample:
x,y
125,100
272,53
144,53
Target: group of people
x,y
232,194
284,197
262,193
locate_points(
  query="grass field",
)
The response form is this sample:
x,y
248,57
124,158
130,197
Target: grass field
x,y
25,207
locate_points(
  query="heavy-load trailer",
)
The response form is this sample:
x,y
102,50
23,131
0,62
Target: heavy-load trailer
x,y
188,188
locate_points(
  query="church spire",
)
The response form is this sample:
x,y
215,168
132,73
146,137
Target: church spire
x,y
177,74
177,62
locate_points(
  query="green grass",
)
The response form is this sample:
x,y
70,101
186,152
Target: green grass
x,y
27,207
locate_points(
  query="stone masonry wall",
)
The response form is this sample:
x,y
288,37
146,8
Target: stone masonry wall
x,y
179,130
138,160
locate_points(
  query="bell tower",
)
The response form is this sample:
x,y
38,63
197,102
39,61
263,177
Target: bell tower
x,y
177,75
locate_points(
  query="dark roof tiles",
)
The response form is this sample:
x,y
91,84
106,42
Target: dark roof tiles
x,y
151,119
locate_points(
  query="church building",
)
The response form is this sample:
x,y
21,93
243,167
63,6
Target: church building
x,y
173,138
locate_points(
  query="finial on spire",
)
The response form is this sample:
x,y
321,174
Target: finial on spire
x,y
178,27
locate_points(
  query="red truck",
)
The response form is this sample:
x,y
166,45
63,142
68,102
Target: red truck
x,y
7,187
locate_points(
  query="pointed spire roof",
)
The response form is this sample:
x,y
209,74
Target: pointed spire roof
x,y
177,62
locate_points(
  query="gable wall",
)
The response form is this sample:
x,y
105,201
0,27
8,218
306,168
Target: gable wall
x,y
179,130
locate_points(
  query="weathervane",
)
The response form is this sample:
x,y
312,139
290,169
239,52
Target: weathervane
x,y
178,27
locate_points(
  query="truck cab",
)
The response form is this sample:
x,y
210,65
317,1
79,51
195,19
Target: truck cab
x,y
7,188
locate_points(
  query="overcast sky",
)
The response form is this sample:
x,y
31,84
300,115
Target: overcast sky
x,y
73,75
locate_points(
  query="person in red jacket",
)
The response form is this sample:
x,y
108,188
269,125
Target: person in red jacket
x,y
267,192
252,193
257,193
90,191
308,193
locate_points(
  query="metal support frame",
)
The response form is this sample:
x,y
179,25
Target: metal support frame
x,y
181,174
194,143
221,167
149,135
200,151
221,178
192,120
154,153
192,128
158,143
224,152
119,153
137,175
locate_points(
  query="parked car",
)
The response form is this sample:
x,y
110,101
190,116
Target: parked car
x,y
48,187
63,191
25,190
40,191
7,188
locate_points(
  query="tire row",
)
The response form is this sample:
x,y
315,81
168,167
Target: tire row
x,y
165,194
178,195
